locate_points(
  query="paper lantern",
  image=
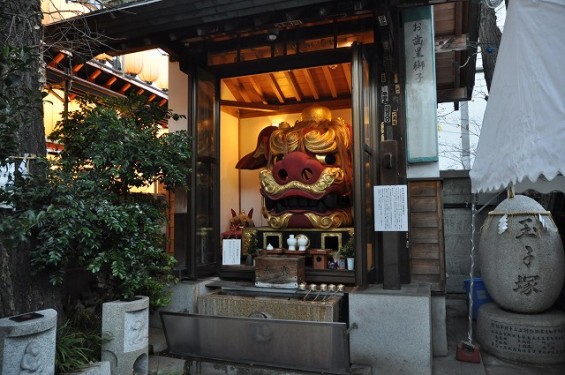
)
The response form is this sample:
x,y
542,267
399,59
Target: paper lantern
x,y
133,63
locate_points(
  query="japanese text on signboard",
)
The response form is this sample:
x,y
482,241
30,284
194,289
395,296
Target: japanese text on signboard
x,y
391,208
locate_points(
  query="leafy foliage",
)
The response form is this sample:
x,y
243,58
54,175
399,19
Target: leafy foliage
x,y
348,250
122,148
75,348
80,212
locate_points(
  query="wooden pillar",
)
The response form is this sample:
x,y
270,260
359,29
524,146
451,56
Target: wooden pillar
x,y
395,253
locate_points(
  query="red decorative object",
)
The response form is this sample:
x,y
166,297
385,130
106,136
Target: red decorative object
x,y
307,177
237,223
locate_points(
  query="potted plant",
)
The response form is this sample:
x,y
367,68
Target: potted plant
x,y
348,252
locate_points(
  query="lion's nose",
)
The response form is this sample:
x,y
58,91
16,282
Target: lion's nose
x,y
297,166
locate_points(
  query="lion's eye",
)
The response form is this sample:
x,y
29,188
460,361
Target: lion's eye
x,y
278,158
328,159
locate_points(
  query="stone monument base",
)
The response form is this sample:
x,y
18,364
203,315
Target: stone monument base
x,y
527,338
394,329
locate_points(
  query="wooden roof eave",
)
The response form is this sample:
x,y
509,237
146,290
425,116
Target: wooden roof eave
x,y
128,35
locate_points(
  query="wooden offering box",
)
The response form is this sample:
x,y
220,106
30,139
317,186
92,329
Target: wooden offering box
x,y
279,271
273,252
320,258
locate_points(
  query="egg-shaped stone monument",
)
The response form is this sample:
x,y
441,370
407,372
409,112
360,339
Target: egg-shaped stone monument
x,y
521,256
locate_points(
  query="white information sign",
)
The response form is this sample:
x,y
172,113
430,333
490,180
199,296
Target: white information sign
x,y
231,252
391,208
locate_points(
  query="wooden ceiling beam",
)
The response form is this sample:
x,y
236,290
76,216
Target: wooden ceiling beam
x,y
94,75
110,82
258,90
330,80
253,106
231,84
125,88
276,89
77,67
57,59
311,84
297,108
293,85
233,111
243,91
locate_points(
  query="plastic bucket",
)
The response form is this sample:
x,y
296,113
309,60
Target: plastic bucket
x,y
480,294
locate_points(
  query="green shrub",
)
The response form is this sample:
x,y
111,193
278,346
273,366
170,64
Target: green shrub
x,y
77,210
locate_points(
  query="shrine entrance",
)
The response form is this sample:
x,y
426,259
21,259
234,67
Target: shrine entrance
x,y
226,125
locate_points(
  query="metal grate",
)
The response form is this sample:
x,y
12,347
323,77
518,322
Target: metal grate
x,y
300,345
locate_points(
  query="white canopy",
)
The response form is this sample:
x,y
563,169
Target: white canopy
x,y
523,133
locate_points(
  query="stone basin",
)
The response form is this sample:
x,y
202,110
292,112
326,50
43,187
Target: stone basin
x,y
289,306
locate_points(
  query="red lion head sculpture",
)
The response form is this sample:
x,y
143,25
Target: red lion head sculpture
x,y
307,171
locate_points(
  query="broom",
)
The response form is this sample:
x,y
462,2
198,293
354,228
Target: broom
x,y
466,350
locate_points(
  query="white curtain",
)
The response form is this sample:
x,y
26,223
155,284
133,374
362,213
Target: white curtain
x,y
523,133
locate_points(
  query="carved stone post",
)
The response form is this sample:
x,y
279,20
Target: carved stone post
x,y
27,343
126,323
